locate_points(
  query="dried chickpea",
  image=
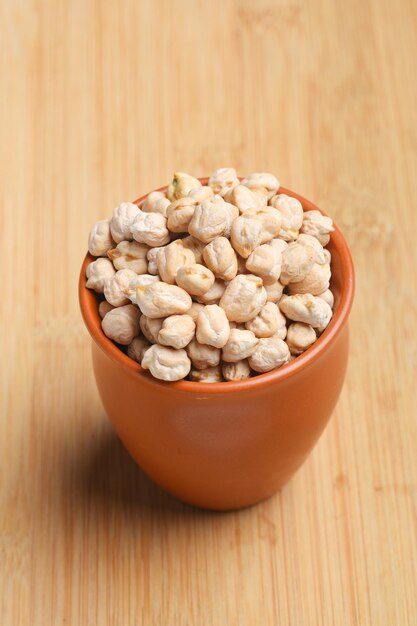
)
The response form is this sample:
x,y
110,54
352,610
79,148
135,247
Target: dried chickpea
x,y
236,371
328,297
223,180
279,244
137,348
202,355
263,183
240,345
156,202
137,281
181,186
244,199
253,228
317,225
267,322
122,220
196,279
104,307
97,273
220,257
130,255
270,354
179,214
150,327
316,281
194,310
121,324
100,239
265,261
213,295
196,247
171,258
243,298
297,262
116,288
151,257
150,228
212,326
274,292
306,308
161,300
300,337
291,211
312,242
207,375
166,363
211,219
176,331
200,193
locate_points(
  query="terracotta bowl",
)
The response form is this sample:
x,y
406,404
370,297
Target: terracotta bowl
x,y
226,445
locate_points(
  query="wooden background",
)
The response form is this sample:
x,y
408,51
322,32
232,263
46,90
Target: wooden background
x,y
100,102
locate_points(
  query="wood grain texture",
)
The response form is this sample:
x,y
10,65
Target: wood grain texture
x,y
100,102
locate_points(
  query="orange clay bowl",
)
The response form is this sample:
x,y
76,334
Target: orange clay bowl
x,y
226,445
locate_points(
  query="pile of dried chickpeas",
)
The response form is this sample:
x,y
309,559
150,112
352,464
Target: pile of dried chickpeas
x,y
213,283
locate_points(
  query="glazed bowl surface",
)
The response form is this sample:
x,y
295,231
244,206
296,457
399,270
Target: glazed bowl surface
x,y
226,445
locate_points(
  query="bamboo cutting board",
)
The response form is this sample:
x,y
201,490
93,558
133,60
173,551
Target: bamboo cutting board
x,y
100,102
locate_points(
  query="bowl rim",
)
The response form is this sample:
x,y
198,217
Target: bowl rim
x,y
92,320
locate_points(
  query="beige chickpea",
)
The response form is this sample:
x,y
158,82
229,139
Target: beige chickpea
x,y
300,337
328,297
122,220
161,300
116,288
270,354
150,327
181,186
208,375
150,228
177,331
196,279
308,309
211,219
213,295
97,273
236,371
104,307
253,228
151,258
171,258
130,255
203,355
200,193
297,262
179,214
137,281
317,225
291,211
137,348
156,202
327,256
166,363
265,261
278,244
274,292
244,199
240,345
268,322
196,247
121,324
100,239
312,242
220,257
233,213
243,298
194,310
212,326
263,183
223,180
316,281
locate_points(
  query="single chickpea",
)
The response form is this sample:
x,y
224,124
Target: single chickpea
x,y
236,371
97,273
243,298
253,228
240,345
300,337
150,228
263,183
207,375
312,242
150,327
171,258
211,219
317,225
265,262
244,199
220,257
156,202
161,300
308,309
104,307
212,326
274,292
213,295
267,322
137,348
122,220
176,331
223,180
179,214
202,355
121,324
181,186
200,193
137,281
100,239
270,354
166,363
316,281
130,255
328,297
116,288
291,211
195,279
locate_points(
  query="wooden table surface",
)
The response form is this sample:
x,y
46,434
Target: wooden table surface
x,y
102,101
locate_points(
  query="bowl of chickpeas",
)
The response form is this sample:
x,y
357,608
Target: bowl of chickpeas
x,y
218,309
